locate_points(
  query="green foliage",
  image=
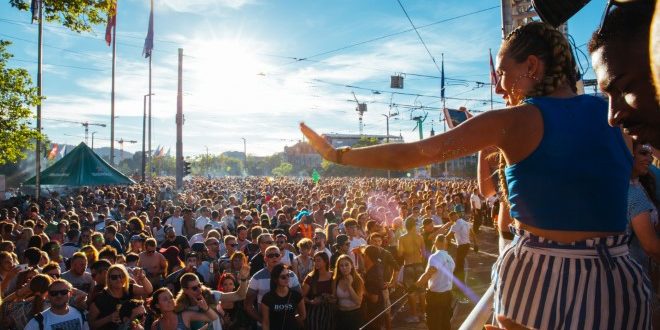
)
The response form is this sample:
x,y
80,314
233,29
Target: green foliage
x,y
365,142
283,170
17,96
76,15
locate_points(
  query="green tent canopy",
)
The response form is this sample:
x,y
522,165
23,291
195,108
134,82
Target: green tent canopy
x,y
81,167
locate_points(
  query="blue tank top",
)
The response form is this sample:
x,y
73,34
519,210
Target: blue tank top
x,y
577,178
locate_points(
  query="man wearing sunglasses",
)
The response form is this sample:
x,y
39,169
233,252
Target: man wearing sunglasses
x,y
260,283
621,61
60,315
152,261
231,245
193,261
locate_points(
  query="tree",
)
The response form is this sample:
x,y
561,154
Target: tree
x,y
76,15
17,95
283,170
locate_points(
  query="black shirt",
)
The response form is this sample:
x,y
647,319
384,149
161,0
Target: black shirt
x,y
107,304
282,310
257,263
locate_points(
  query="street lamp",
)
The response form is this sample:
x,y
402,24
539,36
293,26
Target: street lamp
x,y
387,138
144,134
245,155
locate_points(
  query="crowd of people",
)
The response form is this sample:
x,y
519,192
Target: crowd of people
x,y
236,253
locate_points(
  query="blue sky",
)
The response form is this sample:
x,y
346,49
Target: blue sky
x,y
241,78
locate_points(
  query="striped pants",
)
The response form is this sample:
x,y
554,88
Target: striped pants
x,y
590,284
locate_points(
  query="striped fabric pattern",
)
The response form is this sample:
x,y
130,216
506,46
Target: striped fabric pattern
x,y
591,284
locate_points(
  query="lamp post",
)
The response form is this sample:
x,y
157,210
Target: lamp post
x,y
245,155
144,133
387,121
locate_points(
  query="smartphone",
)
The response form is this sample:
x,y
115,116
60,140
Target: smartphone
x,y
455,117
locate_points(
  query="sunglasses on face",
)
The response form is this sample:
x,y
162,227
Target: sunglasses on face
x,y
115,277
233,244
268,242
55,293
280,242
284,276
195,288
608,8
273,255
644,152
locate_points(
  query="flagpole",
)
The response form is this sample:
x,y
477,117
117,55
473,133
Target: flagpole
x,y
491,82
112,93
150,115
37,178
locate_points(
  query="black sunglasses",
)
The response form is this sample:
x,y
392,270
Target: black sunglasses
x,y
273,255
116,277
608,8
195,288
55,293
233,245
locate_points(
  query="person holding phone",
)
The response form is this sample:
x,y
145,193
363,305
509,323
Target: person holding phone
x,y
546,128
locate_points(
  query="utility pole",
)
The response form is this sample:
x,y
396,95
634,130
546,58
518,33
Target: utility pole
x,y
93,139
40,50
208,161
387,122
179,125
144,133
112,94
245,155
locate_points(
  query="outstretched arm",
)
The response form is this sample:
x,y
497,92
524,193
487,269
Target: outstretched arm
x,y
477,133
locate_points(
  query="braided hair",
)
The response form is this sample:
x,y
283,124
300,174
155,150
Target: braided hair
x,y
551,47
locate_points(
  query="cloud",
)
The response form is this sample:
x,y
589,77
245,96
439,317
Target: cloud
x,y
203,6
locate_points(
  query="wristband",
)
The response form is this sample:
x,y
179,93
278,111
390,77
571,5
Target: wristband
x,y
340,153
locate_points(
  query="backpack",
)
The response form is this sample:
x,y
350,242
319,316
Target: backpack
x,y
40,317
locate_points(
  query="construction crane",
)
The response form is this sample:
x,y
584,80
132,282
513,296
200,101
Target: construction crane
x,y
121,147
85,124
361,109
120,141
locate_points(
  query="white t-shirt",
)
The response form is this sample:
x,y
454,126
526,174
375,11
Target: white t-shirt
x,y
444,264
260,283
476,201
355,242
71,321
201,222
177,223
461,230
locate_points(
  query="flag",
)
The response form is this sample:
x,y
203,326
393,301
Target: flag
x,y
149,40
34,8
168,152
156,152
63,152
112,21
162,152
316,176
494,79
53,152
442,81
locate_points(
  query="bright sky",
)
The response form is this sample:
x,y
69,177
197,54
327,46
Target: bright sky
x,y
240,73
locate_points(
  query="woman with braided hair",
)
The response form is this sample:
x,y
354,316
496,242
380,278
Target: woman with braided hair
x,y
566,172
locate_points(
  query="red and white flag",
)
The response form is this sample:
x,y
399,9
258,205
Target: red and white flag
x,y
53,152
494,79
112,21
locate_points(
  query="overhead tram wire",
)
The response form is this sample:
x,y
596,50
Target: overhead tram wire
x,y
419,35
389,35
401,93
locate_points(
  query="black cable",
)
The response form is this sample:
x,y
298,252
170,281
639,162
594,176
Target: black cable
x,y
419,35
390,35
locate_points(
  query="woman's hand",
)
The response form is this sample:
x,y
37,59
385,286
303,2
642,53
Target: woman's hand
x,y
321,145
244,273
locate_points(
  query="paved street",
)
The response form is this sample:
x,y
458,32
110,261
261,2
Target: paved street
x,y
479,269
